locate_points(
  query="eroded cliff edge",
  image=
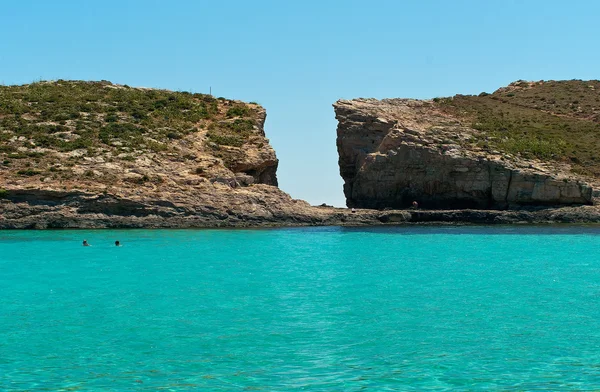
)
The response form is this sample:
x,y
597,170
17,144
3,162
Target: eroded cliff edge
x,y
450,153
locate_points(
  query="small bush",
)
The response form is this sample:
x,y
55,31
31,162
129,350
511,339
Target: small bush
x,y
241,126
139,114
7,148
119,131
238,111
225,139
156,146
29,172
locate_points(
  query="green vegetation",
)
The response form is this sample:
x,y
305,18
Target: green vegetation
x,y
29,172
3,193
232,134
557,121
50,127
72,115
238,111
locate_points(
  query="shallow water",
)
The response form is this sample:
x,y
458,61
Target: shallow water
x,y
314,309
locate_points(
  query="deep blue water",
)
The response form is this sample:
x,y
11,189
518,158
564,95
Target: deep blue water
x,y
313,309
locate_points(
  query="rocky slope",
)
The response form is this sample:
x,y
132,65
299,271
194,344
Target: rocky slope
x,y
503,150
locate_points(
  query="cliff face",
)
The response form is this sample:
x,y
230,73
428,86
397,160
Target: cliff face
x,y
396,151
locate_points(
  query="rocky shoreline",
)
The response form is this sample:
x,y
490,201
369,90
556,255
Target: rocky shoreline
x,y
78,210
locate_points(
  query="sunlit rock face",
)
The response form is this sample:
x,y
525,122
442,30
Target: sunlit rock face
x,y
396,151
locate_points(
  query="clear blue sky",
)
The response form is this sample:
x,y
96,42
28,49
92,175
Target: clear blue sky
x,y
298,57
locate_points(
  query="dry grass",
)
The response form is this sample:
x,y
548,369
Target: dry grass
x,y
552,121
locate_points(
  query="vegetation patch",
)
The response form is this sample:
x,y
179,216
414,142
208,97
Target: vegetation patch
x,y
102,114
29,172
233,134
555,121
239,110
67,122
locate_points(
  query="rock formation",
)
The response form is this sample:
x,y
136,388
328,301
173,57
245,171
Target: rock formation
x,y
96,154
396,151
99,155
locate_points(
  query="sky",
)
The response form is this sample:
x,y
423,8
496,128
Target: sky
x,y
296,58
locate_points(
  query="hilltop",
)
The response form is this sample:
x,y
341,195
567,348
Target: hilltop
x,y
98,135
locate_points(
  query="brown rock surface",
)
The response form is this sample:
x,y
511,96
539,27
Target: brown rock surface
x,y
209,205
395,151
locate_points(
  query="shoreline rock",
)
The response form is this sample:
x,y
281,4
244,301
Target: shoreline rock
x,y
33,209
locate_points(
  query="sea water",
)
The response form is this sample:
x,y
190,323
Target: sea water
x,y
312,309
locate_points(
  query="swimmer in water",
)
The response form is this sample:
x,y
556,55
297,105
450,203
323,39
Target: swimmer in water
x,y
117,243
85,243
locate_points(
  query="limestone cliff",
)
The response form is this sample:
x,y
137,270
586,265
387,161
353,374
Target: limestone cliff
x,y
395,151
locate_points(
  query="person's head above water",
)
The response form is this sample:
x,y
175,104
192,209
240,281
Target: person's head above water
x,y
85,243
117,243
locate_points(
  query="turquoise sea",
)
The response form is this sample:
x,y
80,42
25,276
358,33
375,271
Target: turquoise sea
x,y
309,309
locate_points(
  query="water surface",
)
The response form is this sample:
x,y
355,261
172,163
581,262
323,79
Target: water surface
x,y
313,309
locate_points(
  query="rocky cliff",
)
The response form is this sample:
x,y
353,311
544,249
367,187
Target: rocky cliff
x,y
96,154
498,150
